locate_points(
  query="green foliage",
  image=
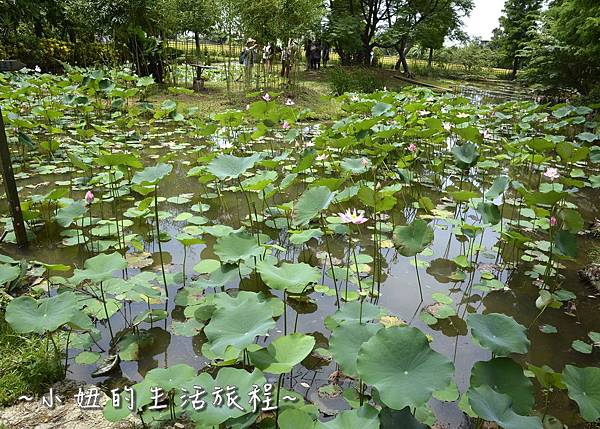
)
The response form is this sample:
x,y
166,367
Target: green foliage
x,y
26,367
343,79
565,54
518,20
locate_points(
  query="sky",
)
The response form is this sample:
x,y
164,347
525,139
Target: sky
x,y
484,18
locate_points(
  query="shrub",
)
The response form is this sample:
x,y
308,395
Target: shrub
x,y
344,79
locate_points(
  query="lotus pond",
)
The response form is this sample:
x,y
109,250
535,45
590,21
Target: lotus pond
x,y
412,264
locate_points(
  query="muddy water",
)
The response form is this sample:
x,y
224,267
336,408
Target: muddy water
x,y
399,295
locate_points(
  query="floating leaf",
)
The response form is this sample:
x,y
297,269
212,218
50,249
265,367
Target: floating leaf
x,y
499,333
293,278
505,376
237,246
366,417
496,407
401,365
231,167
345,342
283,353
237,322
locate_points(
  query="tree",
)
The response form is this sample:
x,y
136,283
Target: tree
x,y
343,30
270,20
565,52
197,16
441,26
406,18
519,18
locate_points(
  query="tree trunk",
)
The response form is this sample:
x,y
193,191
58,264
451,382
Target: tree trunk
x,y
402,50
197,40
12,194
430,62
515,67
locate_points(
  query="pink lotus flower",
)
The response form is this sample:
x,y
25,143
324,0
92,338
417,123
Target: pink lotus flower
x,y
289,102
322,157
285,125
353,216
552,173
266,97
553,221
412,147
89,197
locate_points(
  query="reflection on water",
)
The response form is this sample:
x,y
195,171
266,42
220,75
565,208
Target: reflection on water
x,y
399,291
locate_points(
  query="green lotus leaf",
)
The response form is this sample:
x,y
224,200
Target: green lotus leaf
x,y
260,181
583,385
293,278
414,238
353,312
403,419
242,381
25,314
237,246
470,133
499,333
189,328
171,378
87,358
311,203
8,273
66,215
303,236
142,396
355,165
505,376
595,154
231,167
496,407
401,365
114,159
283,353
379,200
465,155
99,268
237,321
294,419
346,340
566,243
365,417
489,213
152,175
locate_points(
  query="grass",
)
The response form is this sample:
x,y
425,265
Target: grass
x,y
217,52
25,366
313,91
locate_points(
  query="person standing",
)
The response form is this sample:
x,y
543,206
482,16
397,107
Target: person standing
x,y
248,59
286,60
317,56
325,54
267,58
